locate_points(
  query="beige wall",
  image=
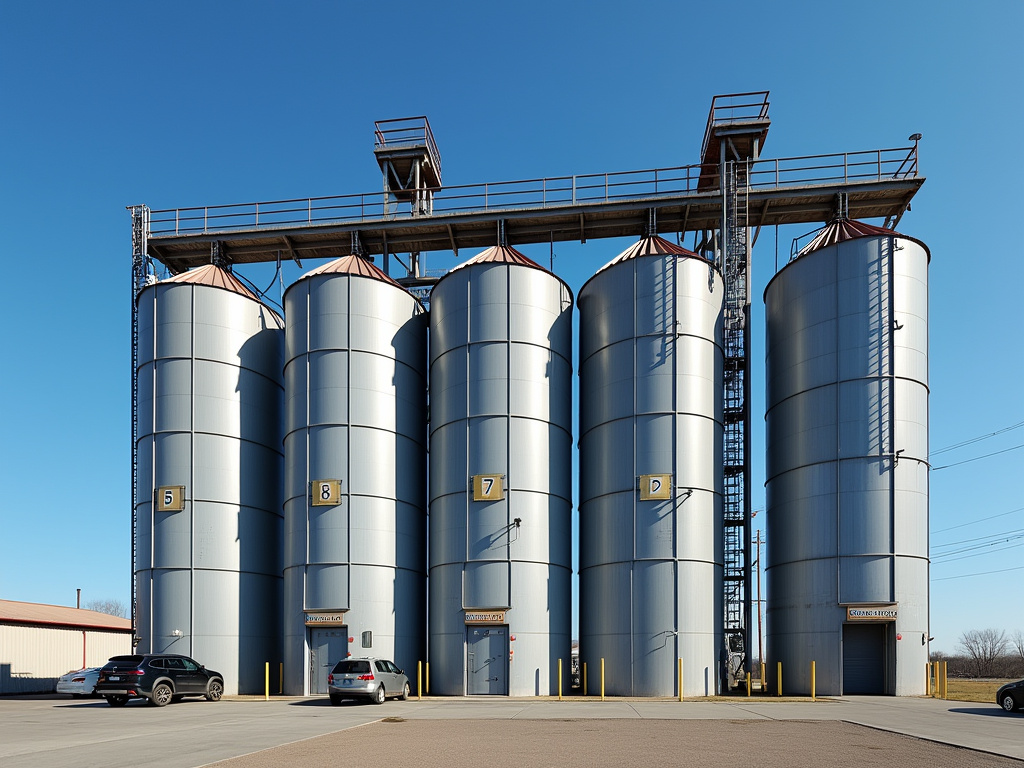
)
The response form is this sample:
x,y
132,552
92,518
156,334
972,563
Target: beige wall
x,y
32,658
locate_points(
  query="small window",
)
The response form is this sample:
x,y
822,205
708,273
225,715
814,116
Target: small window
x,y
190,665
176,664
381,666
157,663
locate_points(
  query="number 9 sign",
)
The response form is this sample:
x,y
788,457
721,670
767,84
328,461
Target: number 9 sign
x,y
653,487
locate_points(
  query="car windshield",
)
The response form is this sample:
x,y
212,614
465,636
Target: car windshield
x,y
352,667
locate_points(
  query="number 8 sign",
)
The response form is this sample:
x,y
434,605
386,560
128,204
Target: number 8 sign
x,y
326,493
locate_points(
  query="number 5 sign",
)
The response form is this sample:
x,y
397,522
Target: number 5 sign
x,y
170,498
326,493
655,487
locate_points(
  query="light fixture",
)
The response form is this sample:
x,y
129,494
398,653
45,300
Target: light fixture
x,y
914,137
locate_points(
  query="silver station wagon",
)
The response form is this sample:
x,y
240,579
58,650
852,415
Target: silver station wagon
x,y
373,679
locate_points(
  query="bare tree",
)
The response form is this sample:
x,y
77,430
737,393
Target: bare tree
x,y
983,647
1018,643
113,607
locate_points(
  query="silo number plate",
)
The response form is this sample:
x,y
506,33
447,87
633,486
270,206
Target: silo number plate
x,y
654,487
326,493
170,498
488,488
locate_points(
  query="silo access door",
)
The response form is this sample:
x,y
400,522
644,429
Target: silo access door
x,y
487,661
326,648
864,659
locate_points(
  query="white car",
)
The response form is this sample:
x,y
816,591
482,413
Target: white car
x,y
79,683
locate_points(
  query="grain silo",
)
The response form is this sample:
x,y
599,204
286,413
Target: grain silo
x,y
355,476
650,479
208,530
500,477
847,471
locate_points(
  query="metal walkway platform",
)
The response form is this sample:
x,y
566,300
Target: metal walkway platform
x,y
879,184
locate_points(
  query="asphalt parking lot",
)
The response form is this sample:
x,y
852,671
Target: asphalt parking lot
x,y
55,732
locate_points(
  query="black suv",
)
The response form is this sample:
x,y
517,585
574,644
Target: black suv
x,y
160,678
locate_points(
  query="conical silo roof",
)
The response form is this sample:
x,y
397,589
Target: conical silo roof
x,y
354,265
215,277
838,230
501,254
651,245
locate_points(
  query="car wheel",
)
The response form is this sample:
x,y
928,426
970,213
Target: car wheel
x,y
378,695
162,695
1008,703
405,693
335,699
214,690
116,700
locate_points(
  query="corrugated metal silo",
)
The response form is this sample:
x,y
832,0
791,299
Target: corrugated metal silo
x,y
355,387
847,471
208,557
500,477
651,404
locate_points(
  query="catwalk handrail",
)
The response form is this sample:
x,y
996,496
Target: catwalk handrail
x,y
553,192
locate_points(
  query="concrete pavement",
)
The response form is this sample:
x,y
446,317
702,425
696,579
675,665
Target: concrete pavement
x,y
52,732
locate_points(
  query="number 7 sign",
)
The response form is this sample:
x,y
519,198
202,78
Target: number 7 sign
x,y
488,488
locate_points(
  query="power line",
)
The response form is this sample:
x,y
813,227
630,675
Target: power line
x,y
976,554
982,573
977,458
979,520
990,537
977,439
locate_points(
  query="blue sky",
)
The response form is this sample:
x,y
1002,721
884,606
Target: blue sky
x,y
110,104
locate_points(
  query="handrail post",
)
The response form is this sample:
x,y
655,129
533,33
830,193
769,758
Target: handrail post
x,y
257,215
206,212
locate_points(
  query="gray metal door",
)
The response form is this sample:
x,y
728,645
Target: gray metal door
x,y
326,648
864,659
487,660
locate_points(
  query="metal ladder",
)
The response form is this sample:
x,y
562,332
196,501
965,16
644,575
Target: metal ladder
x,y
736,385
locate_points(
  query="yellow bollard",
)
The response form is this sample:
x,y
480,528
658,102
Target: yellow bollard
x,y
945,680
427,666
559,679
280,678
680,676
266,686
748,685
812,681
419,680
927,679
764,685
779,681
602,678
584,678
